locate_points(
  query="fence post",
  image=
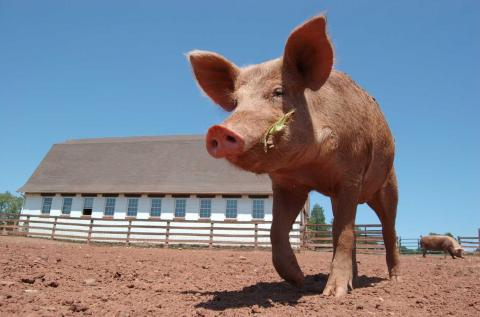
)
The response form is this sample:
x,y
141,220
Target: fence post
x,y
210,243
128,232
300,236
167,234
256,236
303,236
15,226
54,227
365,241
28,225
90,227
3,224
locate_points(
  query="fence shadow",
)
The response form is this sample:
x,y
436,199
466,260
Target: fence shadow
x,y
265,294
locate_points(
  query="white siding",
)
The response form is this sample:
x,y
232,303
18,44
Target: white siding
x,y
32,205
144,205
98,206
56,206
77,206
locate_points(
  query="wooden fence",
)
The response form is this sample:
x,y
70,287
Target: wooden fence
x,y
163,231
368,238
199,232
470,244
408,245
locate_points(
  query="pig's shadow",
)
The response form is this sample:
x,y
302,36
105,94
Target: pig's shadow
x,y
266,294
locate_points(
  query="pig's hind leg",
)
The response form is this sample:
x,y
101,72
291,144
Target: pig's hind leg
x,y
344,205
384,203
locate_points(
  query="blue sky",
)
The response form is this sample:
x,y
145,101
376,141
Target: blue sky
x,y
77,69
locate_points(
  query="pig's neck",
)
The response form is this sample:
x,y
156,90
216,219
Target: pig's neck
x,y
313,166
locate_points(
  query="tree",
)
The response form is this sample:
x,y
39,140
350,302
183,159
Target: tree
x,y
317,216
10,203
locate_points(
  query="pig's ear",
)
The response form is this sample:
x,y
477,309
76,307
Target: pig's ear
x,y
309,53
216,76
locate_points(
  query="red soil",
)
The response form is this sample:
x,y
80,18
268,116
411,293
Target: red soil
x,y
49,278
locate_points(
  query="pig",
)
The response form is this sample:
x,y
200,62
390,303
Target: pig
x,y
336,142
441,243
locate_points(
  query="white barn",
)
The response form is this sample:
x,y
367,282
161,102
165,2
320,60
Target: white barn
x,y
146,178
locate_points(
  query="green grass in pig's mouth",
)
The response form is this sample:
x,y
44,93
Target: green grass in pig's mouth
x,y
274,129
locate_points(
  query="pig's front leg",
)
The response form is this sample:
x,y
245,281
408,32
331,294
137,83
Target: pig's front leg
x,y
344,205
287,203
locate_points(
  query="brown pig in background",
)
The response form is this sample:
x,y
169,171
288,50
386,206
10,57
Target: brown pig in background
x,y
441,243
336,142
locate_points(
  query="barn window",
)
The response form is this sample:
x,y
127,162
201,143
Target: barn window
x,y
156,209
132,207
258,209
109,206
67,205
231,211
46,205
180,205
205,208
87,206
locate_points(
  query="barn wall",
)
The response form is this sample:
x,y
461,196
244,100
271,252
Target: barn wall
x,y
33,205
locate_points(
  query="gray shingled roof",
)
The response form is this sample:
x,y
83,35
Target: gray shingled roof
x,y
167,164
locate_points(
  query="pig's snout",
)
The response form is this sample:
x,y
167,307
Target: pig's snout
x,y
222,142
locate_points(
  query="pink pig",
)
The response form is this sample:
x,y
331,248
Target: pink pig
x,y
337,142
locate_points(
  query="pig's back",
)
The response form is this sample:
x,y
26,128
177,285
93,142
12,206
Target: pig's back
x,y
437,242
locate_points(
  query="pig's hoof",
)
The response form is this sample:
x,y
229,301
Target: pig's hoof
x,y
339,283
297,282
394,274
395,278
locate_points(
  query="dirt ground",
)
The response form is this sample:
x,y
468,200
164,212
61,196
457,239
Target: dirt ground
x,y
50,278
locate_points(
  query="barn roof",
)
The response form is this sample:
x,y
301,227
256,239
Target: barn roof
x,y
165,164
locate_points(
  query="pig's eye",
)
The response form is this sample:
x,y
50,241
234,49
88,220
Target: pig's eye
x,y
235,103
277,92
